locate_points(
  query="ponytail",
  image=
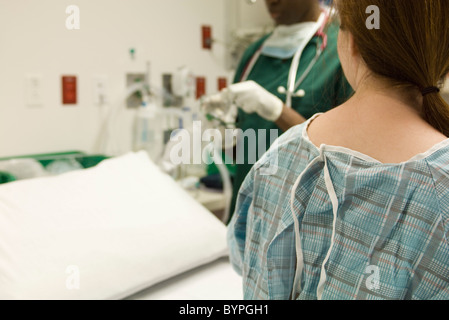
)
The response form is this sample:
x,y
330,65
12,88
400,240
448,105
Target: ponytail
x,y
435,111
410,48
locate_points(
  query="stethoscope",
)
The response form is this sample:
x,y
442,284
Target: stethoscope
x,y
293,84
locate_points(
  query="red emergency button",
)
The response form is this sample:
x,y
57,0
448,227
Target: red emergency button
x,y
69,92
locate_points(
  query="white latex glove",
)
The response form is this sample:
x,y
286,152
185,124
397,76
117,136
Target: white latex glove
x,y
251,97
220,107
214,103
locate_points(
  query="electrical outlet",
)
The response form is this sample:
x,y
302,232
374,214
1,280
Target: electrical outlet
x,y
33,90
135,99
100,90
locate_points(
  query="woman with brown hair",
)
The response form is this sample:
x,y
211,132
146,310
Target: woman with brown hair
x,y
358,208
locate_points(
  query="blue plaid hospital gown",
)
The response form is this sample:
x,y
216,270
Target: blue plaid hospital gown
x,y
331,223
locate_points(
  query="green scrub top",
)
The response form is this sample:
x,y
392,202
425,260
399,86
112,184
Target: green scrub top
x,y
325,86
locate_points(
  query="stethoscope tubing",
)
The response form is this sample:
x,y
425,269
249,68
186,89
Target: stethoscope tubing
x,y
292,73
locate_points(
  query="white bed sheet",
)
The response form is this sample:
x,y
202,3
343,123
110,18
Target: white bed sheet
x,y
214,281
101,233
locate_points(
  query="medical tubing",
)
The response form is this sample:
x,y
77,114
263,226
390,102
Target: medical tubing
x,y
250,66
295,64
215,151
309,69
110,136
292,77
165,162
115,112
224,173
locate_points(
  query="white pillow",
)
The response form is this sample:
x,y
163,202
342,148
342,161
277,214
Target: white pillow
x,y
101,233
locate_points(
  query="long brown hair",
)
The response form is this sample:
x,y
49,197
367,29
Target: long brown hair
x,y
410,47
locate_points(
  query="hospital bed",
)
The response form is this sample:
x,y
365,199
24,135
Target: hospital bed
x,y
119,229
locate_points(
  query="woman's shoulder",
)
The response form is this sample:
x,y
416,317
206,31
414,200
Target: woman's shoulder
x,y
437,159
389,137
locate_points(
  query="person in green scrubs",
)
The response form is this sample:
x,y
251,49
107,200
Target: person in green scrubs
x,y
261,79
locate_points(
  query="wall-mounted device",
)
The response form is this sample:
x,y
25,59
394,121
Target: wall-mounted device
x,y
206,37
135,99
69,90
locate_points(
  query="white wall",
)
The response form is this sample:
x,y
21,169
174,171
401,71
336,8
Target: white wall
x,y
34,40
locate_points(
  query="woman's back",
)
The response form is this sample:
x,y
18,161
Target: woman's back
x,y
367,230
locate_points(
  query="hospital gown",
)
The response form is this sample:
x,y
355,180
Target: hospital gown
x,y
365,230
